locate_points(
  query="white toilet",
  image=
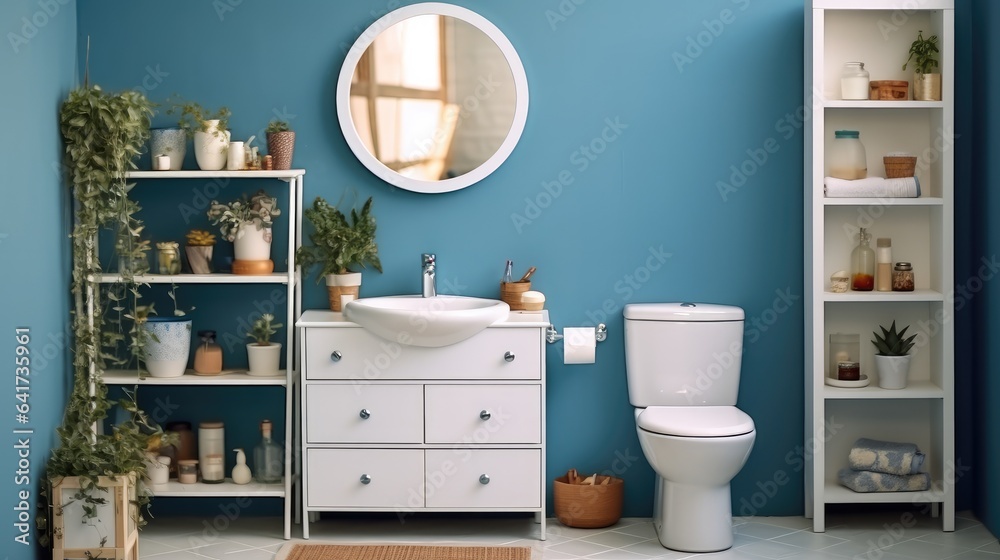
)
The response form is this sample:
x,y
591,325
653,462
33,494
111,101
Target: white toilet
x,y
683,369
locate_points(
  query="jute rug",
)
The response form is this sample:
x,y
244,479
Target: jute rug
x,y
403,552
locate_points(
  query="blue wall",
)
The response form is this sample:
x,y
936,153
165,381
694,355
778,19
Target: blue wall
x,y
691,114
38,58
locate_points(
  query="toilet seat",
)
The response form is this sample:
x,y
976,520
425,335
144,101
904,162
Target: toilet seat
x,y
695,421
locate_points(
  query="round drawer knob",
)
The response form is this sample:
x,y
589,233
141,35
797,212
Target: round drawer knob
x,y
485,415
484,479
365,414
365,479
336,356
508,357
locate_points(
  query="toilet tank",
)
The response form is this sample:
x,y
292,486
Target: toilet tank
x,y
680,354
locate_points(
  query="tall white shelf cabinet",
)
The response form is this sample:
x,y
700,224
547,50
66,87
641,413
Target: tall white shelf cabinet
x,y
879,33
285,275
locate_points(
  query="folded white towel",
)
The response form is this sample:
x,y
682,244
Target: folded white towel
x,y
872,187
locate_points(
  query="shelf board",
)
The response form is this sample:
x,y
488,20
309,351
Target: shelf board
x,y
227,488
236,377
864,104
915,295
886,201
834,493
198,174
216,278
913,390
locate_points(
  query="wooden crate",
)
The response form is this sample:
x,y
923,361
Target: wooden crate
x,y
113,534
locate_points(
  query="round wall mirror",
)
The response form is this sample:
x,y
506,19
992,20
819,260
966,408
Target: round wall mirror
x,y
432,98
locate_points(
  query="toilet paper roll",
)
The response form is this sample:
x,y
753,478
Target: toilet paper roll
x,y
579,345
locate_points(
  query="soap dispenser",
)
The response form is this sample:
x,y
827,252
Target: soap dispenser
x,y
241,472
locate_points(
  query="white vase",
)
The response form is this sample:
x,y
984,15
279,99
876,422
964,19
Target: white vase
x,y
264,360
167,345
252,244
892,371
211,148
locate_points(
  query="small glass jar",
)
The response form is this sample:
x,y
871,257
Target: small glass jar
x,y
854,81
187,471
847,156
848,371
902,277
208,355
168,257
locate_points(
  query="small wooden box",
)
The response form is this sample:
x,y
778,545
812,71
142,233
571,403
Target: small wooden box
x,y
888,90
74,537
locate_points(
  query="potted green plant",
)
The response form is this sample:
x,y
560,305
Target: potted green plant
x,y
923,54
280,143
247,223
264,356
209,130
892,357
338,245
97,476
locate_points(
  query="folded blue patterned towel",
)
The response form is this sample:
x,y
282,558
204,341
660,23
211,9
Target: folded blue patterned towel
x,y
885,457
867,481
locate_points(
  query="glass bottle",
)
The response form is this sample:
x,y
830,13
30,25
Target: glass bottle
x,y
883,257
847,156
208,356
854,81
168,257
508,272
863,264
268,456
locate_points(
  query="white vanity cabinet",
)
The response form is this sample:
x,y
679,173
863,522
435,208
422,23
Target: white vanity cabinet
x,y
391,427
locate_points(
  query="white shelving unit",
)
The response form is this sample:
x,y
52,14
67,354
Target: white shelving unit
x,y
879,33
289,277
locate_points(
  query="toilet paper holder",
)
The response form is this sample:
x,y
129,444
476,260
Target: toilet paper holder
x,y
552,335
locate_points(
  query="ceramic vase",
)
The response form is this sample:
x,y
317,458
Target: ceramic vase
x,y
170,142
342,288
211,147
280,146
167,345
892,371
264,360
252,243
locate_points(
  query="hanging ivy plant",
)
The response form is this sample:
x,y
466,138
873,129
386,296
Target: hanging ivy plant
x,y
104,134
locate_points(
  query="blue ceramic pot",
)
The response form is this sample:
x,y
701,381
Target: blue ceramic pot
x,y
168,345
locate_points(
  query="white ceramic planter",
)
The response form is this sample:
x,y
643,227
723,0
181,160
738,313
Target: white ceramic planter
x,y
342,288
264,360
892,371
211,148
167,345
252,244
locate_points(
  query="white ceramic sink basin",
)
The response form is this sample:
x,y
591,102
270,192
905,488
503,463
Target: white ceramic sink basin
x,y
419,321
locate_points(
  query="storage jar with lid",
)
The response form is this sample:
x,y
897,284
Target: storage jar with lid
x,y
854,81
211,452
847,156
883,273
208,356
902,277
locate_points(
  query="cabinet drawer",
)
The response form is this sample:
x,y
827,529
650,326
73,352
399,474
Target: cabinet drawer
x,y
483,413
366,357
454,478
336,478
359,413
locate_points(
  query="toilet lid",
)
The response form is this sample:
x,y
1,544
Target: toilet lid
x,y
695,421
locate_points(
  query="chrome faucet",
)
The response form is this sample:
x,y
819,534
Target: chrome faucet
x,y
429,266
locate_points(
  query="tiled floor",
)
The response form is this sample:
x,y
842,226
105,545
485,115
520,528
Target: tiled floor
x,y
884,536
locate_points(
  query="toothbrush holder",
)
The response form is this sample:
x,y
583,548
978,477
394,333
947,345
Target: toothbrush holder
x,y
511,292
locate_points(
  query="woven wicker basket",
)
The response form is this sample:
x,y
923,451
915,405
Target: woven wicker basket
x,y
899,166
588,506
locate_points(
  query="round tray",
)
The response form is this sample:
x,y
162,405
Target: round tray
x,y
863,382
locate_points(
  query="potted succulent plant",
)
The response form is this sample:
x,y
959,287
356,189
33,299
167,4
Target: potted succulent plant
x,y
892,359
923,54
200,245
338,245
209,130
247,223
264,356
280,143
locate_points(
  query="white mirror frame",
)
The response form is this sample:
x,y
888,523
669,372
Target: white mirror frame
x,y
344,98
